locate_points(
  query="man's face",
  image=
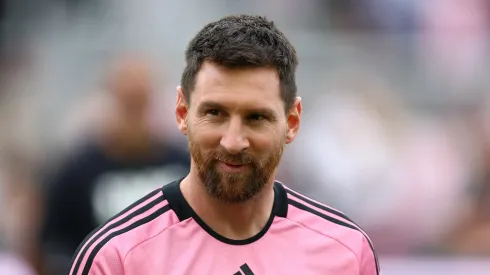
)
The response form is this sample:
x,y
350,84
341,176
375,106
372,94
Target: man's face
x,y
237,129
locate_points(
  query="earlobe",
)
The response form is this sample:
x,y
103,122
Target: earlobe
x,y
181,111
294,120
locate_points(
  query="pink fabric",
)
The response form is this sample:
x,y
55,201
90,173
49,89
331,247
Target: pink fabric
x,y
298,243
113,222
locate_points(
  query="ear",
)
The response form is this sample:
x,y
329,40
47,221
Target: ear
x,y
294,120
181,111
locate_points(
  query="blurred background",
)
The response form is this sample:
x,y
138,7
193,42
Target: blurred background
x,y
395,132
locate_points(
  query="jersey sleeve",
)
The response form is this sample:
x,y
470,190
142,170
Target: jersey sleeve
x,y
106,262
368,260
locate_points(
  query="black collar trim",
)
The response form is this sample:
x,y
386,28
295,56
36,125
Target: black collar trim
x,y
184,211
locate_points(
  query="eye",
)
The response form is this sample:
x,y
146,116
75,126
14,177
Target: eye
x,y
256,117
213,112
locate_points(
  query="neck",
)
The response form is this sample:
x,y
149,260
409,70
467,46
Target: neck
x,y
233,221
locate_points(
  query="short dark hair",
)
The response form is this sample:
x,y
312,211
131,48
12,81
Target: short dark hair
x,y
242,41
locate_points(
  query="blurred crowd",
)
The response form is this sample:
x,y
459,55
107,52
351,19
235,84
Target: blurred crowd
x,y
395,131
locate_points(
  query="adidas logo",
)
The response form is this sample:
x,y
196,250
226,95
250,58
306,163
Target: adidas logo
x,y
245,270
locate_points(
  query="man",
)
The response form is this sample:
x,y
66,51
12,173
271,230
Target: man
x,y
120,159
238,108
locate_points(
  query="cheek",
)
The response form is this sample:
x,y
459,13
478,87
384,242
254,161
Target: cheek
x,y
205,135
266,144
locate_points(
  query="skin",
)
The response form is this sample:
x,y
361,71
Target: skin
x,y
126,132
237,127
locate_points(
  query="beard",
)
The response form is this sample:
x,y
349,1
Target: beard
x,y
234,187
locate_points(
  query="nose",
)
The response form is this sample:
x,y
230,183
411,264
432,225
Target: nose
x,y
234,140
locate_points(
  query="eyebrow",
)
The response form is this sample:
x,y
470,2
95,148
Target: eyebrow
x,y
254,110
210,105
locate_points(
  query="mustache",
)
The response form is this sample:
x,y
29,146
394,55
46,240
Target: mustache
x,y
241,158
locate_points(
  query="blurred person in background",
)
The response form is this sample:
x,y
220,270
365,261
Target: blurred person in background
x,y
117,159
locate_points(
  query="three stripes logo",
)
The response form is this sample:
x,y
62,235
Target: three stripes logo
x,y
245,269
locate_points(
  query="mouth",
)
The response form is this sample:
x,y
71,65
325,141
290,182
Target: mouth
x,y
234,164
233,167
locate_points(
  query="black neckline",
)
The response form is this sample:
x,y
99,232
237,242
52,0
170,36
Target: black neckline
x,y
184,211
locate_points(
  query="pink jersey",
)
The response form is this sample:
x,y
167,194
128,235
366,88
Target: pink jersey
x,y
161,234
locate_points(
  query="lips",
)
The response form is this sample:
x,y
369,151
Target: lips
x,y
232,164
233,167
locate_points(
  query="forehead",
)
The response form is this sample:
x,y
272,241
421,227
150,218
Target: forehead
x,y
253,87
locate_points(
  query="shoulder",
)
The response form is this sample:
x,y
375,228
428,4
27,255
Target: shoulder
x,y
85,157
107,245
174,153
330,223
